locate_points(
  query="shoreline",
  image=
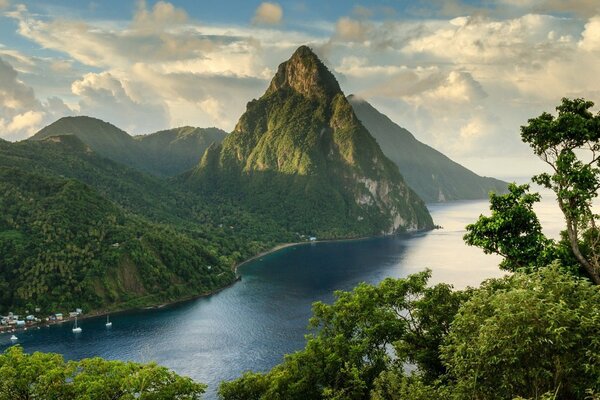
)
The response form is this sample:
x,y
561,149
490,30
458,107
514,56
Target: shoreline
x,y
98,314
282,246
272,250
235,268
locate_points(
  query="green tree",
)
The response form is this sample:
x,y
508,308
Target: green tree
x,y
49,377
526,335
512,231
570,145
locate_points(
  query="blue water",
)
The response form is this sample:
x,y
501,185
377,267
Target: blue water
x,y
251,325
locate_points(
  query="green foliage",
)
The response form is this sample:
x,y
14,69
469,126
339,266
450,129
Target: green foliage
x,y
526,335
570,144
512,231
67,247
60,219
394,385
432,175
352,342
48,376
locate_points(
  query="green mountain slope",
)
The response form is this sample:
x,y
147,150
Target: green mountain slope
x,y
164,153
431,174
173,151
299,155
62,245
63,207
102,137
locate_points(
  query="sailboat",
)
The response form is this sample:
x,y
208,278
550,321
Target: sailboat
x,y
13,338
108,323
76,329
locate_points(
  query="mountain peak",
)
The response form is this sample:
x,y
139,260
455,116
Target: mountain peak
x,y
306,74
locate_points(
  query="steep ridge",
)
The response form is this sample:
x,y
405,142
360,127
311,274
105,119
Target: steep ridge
x,y
300,155
431,174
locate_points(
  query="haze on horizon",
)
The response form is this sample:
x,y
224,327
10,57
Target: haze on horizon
x,y
460,75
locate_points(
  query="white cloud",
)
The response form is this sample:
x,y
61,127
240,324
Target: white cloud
x,y
590,37
28,122
268,14
520,41
152,36
351,30
162,16
21,113
106,97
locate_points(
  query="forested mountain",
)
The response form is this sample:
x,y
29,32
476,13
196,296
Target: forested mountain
x,y
77,229
300,155
164,153
174,151
428,172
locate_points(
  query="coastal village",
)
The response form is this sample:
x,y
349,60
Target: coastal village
x,y
13,322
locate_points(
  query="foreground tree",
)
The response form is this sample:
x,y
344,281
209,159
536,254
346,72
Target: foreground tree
x,y
513,231
527,335
48,376
570,145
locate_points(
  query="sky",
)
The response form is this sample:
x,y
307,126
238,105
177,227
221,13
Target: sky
x,y
461,75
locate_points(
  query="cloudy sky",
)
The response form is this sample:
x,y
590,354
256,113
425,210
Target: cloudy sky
x,y
461,75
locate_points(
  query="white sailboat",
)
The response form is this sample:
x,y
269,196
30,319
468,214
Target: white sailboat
x,y
13,338
76,329
108,323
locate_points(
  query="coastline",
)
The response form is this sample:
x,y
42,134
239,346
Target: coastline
x,y
98,314
235,268
282,246
265,253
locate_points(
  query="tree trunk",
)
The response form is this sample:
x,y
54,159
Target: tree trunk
x,y
574,242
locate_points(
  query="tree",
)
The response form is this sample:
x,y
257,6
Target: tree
x,y
560,142
527,335
512,231
570,145
48,376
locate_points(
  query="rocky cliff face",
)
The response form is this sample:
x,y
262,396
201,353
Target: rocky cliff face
x,y
301,149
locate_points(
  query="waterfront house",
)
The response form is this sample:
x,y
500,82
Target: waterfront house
x,y
312,239
30,318
20,323
59,316
79,311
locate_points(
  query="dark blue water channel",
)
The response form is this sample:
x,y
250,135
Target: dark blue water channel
x,y
251,325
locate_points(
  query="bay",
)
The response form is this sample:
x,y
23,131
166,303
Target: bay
x,y
251,325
